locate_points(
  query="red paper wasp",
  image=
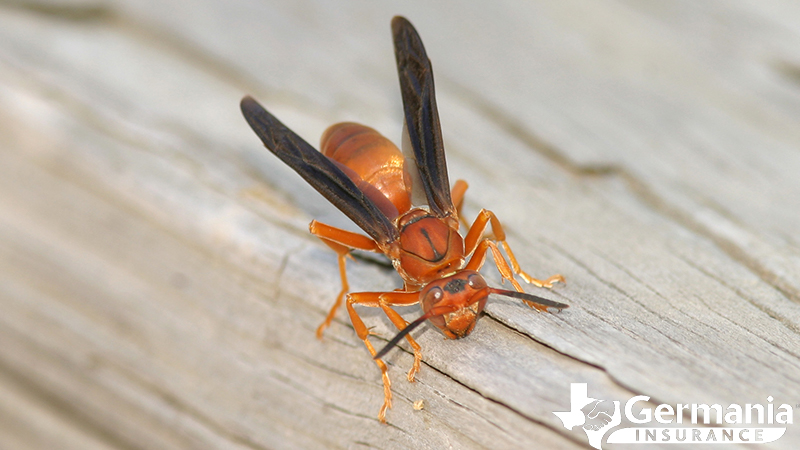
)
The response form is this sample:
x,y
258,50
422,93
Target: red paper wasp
x,y
370,180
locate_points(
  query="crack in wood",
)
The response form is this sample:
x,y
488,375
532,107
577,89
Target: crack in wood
x,y
278,285
467,408
768,311
664,298
639,188
326,403
656,330
365,444
314,363
496,402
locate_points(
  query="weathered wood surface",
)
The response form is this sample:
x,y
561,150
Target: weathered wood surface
x,y
159,288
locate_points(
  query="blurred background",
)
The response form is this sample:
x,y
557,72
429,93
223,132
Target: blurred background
x,y
159,288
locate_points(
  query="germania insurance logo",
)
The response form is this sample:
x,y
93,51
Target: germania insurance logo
x,y
679,424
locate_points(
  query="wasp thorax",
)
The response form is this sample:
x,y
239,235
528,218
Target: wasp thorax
x,y
455,302
430,248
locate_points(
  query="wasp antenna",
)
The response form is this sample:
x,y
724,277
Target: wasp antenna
x,y
408,329
530,298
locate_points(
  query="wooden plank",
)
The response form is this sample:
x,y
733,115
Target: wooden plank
x,y
160,289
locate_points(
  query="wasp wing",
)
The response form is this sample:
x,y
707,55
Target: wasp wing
x,y
319,171
422,117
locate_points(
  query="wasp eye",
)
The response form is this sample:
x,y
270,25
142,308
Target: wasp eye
x,y
432,297
476,281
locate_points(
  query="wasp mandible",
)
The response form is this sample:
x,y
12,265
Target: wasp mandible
x,y
374,183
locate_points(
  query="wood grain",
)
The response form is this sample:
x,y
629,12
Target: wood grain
x,y
159,288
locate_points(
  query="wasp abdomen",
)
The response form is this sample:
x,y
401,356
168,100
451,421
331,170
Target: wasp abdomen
x,y
373,157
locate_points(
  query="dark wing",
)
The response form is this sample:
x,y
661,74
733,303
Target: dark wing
x,y
422,117
319,171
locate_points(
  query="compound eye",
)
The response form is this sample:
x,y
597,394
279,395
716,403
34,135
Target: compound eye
x,y
434,295
432,298
476,281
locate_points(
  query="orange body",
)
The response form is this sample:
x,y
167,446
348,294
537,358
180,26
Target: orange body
x,y
365,175
429,248
375,159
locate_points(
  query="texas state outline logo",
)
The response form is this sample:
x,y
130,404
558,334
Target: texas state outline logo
x,y
682,424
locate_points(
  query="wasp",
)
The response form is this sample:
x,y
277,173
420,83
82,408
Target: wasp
x,y
404,203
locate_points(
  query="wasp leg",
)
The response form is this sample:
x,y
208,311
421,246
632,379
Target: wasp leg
x,y
457,195
386,302
340,241
473,240
479,258
383,300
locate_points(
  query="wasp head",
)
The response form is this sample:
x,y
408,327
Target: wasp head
x,y
453,304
